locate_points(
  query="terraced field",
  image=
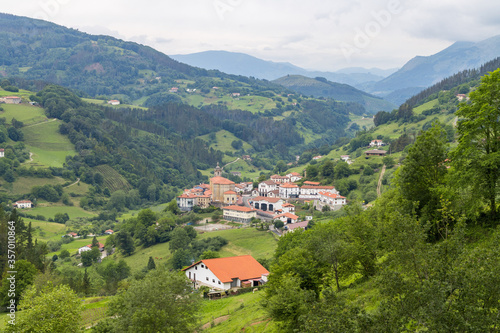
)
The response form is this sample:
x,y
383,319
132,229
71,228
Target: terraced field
x,y
112,179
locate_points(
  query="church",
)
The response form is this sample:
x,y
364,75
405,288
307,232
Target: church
x,y
223,189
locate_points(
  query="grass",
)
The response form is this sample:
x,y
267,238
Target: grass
x,y
243,241
48,146
223,141
52,231
76,244
26,113
112,179
244,313
139,259
49,210
23,185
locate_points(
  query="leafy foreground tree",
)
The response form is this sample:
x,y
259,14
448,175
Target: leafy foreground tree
x,y
477,156
161,302
55,309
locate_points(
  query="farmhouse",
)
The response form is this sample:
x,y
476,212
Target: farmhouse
x,y
376,143
287,218
280,179
2,152
11,100
238,213
266,187
312,191
114,102
296,226
109,232
294,176
375,152
227,273
332,200
23,204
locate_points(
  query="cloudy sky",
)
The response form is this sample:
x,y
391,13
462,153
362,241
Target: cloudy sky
x,y
314,34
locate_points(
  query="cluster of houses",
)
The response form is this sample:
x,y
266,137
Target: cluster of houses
x,y
269,201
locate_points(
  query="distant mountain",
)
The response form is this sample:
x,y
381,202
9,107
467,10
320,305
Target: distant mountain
x,y
320,87
244,64
421,72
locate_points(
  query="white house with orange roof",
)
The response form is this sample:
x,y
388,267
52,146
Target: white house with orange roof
x,y
2,152
11,100
376,143
23,204
288,208
238,213
287,218
312,191
266,187
333,200
187,201
289,190
294,176
280,179
227,273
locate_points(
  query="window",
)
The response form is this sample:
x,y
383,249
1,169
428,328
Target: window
x,y
196,267
213,280
219,282
207,278
206,267
202,266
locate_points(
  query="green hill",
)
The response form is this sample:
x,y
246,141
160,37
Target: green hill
x,y
320,87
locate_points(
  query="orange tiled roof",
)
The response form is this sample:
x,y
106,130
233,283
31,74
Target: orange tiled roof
x,y
268,199
287,215
221,181
241,267
239,208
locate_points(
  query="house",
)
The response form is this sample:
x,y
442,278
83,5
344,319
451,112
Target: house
x,y
332,200
11,100
238,213
236,173
227,273
246,158
236,94
89,247
287,218
239,188
114,102
266,187
295,226
109,232
280,179
267,204
2,152
273,194
307,182
289,190
312,192
317,157
173,90
288,208
203,201
23,204
345,158
72,234
294,176
187,201
461,97
377,143
375,152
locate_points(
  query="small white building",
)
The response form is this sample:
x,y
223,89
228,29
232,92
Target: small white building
x,y
376,143
289,190
114,102
288,208
267,204
227,273
23,204
2,152
11,100
294,176
238,213
287,218
266,187
187,201
312,191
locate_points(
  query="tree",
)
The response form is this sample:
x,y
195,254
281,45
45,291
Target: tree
x,y
90,257
125,242
179,239
151,264
424,170
15,134
25,276
477,156
64,254
55,309
175,306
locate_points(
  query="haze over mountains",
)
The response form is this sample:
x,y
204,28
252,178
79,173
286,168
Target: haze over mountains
x,y
393,85
247,65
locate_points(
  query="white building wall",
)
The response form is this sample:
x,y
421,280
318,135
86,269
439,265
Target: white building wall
x,y
205,277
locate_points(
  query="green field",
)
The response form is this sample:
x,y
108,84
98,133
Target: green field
x,y
52,231
139,259
23,185
28,114
223,141
76,244
112,179
51,210
241,313
48,146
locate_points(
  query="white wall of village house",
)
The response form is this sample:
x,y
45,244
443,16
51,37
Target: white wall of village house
x,y
206,277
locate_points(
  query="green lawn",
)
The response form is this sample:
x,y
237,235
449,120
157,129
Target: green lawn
x,y
259,244
237,313
51,230
76,244
223,141
22,112
48,146
139,259
23,185
49,210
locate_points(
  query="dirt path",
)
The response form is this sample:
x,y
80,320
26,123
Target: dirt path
x,y
216,321
43,122
379,185
77,181
236,160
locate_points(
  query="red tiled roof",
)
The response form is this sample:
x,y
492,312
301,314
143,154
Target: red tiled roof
x,y
101,245
332,195
287,215
288,205
289,185
241,267
221,181
229,192
23,201
311,183
239,208
318,187
297,225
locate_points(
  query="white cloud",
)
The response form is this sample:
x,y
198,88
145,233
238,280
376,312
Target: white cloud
x,y
305,33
